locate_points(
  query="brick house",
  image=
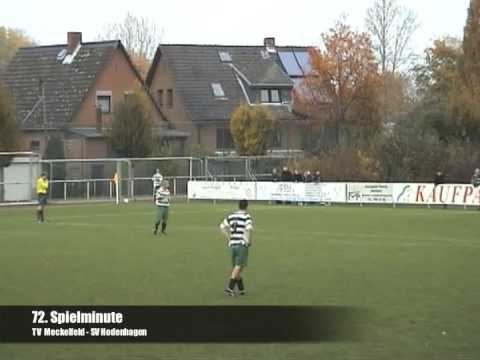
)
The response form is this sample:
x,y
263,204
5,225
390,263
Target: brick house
x,y
198,86
71,90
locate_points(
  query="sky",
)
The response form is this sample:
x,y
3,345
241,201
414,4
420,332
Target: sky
x,y
246,22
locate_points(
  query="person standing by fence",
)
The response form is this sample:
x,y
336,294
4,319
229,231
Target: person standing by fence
x,y
42,193
476,178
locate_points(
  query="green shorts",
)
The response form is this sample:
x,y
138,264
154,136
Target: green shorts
x,y
239,255
162,213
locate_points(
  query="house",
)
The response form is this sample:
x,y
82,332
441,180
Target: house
x,y
71,90
198,87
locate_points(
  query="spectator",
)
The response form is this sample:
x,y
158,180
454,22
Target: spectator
x,y
316,177
476,178
286,174
275,176
439,178
308,176
297,177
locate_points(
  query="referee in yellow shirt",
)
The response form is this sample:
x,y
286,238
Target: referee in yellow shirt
x,y
42,193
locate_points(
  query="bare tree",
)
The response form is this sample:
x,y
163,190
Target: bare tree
x,y
392,27
139,35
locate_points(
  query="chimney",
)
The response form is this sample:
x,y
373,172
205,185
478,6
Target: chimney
x,y
73,39
269,43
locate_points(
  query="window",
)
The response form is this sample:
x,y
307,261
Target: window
x,y
265,54
160,97
270,96
104,102
218,90
224,139
275,96
169,98
225,56
264,96
34,145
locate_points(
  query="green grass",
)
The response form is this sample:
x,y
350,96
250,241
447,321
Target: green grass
x,y
417,270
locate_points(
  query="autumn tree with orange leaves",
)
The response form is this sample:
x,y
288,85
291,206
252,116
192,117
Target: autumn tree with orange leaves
x,y
341,92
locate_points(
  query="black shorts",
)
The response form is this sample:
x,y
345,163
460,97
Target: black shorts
x,y
42,199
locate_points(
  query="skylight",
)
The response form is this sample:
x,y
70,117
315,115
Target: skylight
x,y
225,56
265,54
61,55
218,90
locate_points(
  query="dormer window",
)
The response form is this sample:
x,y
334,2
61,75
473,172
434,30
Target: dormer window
x,y
218,90
270,96
225,56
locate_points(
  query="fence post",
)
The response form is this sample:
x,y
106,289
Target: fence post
x,y
131,177
88,190
117,183
190,169
174,186
65,190
51,178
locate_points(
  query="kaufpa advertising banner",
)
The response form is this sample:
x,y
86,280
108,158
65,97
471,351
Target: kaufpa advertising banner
x,y
210,190
375,193
429,194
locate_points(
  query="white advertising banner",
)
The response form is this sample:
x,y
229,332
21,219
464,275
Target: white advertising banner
x,y
221,190
301,192
375,193
334,192
429,194
281,191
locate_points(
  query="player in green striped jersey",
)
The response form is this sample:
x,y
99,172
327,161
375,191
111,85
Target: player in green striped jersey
x,y
162,203
237,228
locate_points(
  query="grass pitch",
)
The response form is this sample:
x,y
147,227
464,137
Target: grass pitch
x,y
417,270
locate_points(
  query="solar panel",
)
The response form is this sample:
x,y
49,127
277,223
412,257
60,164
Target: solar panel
x,y
290,63
303,59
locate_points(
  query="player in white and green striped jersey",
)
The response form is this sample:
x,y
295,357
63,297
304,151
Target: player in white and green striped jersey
x,y
237,228
162,202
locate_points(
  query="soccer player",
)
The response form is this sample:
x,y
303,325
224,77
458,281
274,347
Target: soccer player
x,y
237,228
42,192
157,179
162,202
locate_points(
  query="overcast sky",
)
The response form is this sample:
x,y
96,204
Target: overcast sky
x,y
292,22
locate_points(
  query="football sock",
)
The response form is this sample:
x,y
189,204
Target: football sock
x,y
231,284
38,215
41,216
164,226
240,284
